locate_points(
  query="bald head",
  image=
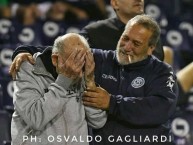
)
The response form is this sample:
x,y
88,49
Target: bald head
x,y
68,54
69,42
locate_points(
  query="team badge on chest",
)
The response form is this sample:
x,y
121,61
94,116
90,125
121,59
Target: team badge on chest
x,y
138,82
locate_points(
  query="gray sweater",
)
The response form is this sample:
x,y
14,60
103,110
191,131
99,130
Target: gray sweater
x,y
49,111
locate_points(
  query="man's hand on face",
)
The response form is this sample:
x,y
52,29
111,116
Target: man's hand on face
x,y
73,65
98,98
21,57
89,70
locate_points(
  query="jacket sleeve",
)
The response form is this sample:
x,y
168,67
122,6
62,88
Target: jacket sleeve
x,y
96,118
155,108
35,106
27,48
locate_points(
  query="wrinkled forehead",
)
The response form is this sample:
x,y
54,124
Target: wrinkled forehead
x,y
73,42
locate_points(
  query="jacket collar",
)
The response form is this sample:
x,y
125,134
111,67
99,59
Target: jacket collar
x,y
118,23
43,64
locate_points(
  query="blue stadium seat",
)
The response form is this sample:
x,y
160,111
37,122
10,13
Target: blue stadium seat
x,y
1,97
178,39
186,24
75,27
179,36
182,128
51,30
7,87
153,10
5,25
21,34
170,7
7,143
159,15
5,121
6,52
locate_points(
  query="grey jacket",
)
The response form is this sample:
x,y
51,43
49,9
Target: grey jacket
x,y
49,111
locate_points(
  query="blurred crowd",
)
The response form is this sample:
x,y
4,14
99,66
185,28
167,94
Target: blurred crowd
x,y
39,22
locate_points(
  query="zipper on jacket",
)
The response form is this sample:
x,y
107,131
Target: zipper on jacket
x,y
121,78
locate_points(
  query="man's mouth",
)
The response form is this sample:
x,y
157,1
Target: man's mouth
x,y
125,53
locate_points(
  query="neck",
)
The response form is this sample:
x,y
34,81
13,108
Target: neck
x,y
125,18
140,59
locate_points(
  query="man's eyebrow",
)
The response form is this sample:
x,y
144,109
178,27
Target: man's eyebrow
x,y
137,42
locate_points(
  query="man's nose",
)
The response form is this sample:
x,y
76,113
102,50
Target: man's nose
x,y
128,46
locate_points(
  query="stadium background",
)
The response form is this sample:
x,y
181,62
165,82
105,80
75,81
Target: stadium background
x,y
40,27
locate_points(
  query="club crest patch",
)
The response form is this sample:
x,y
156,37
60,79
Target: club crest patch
x,y
138,82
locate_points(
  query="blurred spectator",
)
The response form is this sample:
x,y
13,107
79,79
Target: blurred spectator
x,y
57,11
95,9
27,14
35,10
60,11
184,75
186,6
5,24
5,12
26,25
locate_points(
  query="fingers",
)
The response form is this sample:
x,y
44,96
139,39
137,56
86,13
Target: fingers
x,y
80,54
78,69
76,58
91,89
13,74
91,94
12,68
73,65
89,59
90,100
93,101
79,60
18,61
99,98
90,56
91,104
89,67
31,59
12,71
94,92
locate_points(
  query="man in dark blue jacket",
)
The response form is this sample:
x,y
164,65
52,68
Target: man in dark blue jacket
x,y
140,91
137,90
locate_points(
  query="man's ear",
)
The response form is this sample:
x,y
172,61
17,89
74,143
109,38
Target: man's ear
x,y
114,4
55,59
150,50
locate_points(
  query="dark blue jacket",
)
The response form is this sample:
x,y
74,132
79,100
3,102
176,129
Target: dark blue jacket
x,y
143,97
